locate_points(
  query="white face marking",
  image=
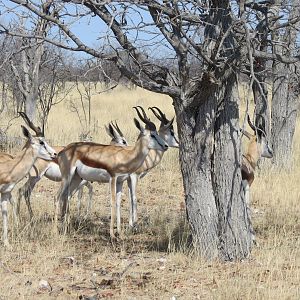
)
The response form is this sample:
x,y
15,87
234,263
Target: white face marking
x,y
169,137
156,142
42,149
119,141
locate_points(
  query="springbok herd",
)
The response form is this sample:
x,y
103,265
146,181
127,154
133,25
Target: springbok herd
x,y
78,164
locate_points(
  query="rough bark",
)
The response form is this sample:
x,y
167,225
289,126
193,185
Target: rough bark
x,y
234,228
210,155
285,103
196,144
285,92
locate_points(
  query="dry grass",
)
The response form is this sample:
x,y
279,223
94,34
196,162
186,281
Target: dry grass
x,y
155,262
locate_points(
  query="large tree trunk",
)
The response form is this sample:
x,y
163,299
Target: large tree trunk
x,y
210,153
285,104
196,144
235,239
285,92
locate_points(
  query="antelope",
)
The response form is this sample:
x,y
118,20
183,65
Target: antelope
x,y
97,162
258,147
166,132
15,169
50,169
118,139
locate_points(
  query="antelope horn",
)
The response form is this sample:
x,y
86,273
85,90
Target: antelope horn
x,y
144,113
116,126
38,131
160,115
109,129
143,117
251,125
149,125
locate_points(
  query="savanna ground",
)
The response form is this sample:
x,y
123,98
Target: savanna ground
x,y
157,261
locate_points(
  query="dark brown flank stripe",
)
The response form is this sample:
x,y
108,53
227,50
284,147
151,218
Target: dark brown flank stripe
x,y
94,164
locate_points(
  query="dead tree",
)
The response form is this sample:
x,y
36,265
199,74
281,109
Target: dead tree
x,y
221,39
26,64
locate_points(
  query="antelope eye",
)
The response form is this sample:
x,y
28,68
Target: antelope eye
x,y
124,142
42,143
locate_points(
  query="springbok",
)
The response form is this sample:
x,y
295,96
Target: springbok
x,y
50,169
258,147
154,157
97,162
118,139
15,169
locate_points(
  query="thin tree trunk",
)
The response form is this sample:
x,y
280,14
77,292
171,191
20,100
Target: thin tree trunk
x,y
260,94
30,106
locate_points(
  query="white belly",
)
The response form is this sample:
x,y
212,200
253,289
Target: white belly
x,y
53,172
95,174
92,174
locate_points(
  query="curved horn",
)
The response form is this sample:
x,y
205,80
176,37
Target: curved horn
x,y
149,125
160,116
38,131
143,117
144,113
250,124
109,130
116,126
263,123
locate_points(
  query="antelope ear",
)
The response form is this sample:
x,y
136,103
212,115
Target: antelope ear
x,y
138,125
110,131
170,123
26,133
